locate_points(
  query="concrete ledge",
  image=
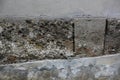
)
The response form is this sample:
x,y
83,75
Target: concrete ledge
x,y
97,68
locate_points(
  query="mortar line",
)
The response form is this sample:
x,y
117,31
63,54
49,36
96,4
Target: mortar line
x,y
73,25
105,34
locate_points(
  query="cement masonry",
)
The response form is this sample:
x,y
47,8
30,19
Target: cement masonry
x,y
112,41
25,39
32,41
89,36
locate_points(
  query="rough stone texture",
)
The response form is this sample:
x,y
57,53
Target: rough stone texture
x,y
98,68
23,40
112,40
89,36
28,40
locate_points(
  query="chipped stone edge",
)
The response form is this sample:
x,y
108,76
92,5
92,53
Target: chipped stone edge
x,y
106,59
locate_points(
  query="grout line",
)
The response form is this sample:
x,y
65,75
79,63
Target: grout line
x,y
105,34
73,25
73,42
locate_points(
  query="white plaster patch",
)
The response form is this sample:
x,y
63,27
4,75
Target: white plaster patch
x,y
31,35
0,44
118,21
1,29
21,68
63,73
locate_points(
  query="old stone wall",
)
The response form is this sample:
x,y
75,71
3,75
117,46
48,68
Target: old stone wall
x,y
37,41
25,39
32,39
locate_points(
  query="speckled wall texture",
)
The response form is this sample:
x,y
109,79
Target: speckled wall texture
x,y
31,39
35,39
89,36
112,42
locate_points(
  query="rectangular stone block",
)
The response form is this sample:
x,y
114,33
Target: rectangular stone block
x,y
24,40
89,36
112,40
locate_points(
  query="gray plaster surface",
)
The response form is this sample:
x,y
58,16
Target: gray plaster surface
x,y
60,8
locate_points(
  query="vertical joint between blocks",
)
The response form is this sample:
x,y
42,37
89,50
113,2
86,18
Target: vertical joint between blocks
x,y
105,34
73,25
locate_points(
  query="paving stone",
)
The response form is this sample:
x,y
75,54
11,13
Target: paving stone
x,y
23,40
89,36
112,40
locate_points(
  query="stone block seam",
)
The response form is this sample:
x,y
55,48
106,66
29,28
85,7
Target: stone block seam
x,y
28,34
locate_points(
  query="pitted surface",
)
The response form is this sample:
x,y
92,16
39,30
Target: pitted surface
x,y
35,39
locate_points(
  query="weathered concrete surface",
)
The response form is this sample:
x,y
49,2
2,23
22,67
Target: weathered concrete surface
x,y
89,36
98,68
23,39
60,8
112,40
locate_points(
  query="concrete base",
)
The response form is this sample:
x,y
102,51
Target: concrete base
x,y
98,68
